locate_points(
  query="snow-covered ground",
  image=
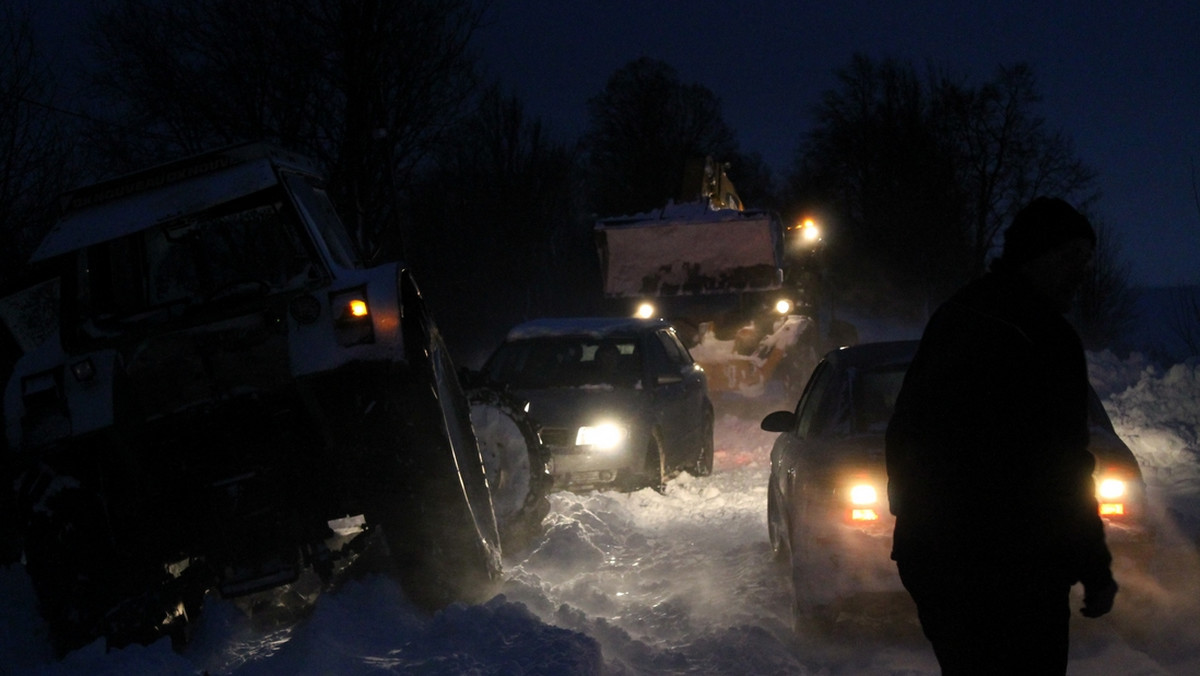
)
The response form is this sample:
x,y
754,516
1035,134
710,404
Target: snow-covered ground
x,y
677,583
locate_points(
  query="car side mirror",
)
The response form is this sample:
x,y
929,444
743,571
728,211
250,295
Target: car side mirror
x,y
668,379
779,421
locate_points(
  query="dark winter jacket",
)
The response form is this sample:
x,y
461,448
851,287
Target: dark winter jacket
x,y
987,450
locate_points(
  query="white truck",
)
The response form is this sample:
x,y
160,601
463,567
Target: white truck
x,y
231,398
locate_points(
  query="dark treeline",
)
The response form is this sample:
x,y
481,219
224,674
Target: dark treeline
x,y
913,174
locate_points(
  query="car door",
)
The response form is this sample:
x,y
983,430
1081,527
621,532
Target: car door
x,y
678,394
787,454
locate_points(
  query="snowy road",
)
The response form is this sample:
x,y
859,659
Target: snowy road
x,y
642,583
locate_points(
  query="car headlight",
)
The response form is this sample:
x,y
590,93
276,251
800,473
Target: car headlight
x,y
603,437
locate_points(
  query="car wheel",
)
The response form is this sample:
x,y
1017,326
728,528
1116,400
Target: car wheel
x,y
776,527
654,471
515,462
704,463
813,597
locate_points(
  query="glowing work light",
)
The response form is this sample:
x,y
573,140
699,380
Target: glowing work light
x,y
809,231
357,308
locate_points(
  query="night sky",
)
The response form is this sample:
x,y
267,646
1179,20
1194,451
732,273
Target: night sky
x,y
1122,79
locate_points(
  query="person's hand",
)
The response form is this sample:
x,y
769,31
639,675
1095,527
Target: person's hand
x,y
1098,601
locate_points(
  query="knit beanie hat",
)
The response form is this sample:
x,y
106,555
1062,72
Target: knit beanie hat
x,y
1042,225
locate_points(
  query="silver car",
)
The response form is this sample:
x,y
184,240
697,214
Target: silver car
x,y
827,493
619,401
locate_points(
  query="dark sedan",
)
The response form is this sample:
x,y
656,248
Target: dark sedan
x,y
619,401
827,497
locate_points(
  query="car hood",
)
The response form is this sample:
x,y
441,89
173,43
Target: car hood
x,y
571,406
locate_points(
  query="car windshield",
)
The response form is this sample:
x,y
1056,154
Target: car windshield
x,y
251,247
567,361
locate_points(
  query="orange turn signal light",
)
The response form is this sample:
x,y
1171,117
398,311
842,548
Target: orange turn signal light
x,y
1112,509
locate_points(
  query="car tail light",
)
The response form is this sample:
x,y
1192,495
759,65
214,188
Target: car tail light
x,y
864,500
863,494
1111,489
1110,494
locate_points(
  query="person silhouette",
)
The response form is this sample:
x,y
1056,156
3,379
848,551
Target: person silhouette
x,y
989,475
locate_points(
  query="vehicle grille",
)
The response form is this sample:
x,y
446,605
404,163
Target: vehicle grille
x,y
558,438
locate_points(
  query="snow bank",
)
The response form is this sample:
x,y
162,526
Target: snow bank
x,y
1157,412
678,583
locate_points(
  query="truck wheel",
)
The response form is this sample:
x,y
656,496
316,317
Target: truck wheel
x,y
516,465
71,563
442,531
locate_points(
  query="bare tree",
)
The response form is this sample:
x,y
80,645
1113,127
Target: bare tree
x,y
504,202
645,127
1006,156
1105,310
883,172
35,154
1185,319
367,87
921,175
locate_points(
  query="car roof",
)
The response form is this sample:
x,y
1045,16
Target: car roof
x,y
597,327
867,355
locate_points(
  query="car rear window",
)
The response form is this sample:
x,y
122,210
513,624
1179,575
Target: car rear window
x,y
861,401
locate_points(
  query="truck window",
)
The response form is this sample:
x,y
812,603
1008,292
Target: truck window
x,y
315,201
253,245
